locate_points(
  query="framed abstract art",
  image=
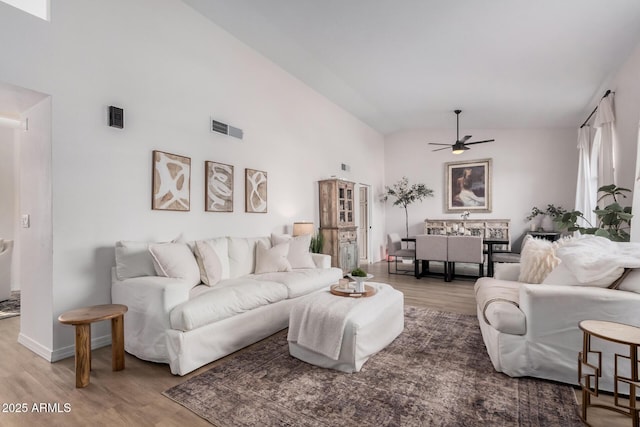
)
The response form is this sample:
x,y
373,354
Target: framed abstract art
x,y
171,182
255,191
218,187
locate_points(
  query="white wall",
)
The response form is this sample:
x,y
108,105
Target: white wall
x,y
9,196
627,106
170,69
7,183
34,244
530,168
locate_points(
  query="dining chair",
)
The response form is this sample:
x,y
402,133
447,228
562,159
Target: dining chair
x,y
431,247
395,250
467,249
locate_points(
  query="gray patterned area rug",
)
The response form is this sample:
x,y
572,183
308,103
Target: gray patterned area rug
x,y
436,373
10,307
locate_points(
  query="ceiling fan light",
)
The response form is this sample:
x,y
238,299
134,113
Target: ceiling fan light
x,y
457,150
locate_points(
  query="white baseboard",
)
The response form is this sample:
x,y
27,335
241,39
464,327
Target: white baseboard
x,y
35,346
60,353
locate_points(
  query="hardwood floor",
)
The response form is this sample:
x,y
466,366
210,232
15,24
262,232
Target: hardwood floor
x,y
132,397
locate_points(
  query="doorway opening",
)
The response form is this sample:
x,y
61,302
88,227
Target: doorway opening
x,y
364,224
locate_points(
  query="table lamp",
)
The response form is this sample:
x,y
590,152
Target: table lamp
x,y
302,228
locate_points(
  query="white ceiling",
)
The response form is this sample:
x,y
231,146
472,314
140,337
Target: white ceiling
x,y
407,64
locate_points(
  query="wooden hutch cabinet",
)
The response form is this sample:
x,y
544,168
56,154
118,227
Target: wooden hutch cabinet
x,y
337,223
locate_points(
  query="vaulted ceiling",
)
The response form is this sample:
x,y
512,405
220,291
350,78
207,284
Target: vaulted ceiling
x,y
407,64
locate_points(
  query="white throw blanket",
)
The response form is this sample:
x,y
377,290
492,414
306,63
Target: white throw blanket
x,y
318,321
592,258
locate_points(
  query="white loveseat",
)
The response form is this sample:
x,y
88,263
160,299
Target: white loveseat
x,y
187,324
532,329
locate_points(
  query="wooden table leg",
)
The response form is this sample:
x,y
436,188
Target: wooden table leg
x,y
83,354
117,343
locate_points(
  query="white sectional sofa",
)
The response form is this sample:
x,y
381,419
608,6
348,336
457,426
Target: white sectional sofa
x,y
531,329
186,323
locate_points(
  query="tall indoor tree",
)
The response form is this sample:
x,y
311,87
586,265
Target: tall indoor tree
x,y
404,194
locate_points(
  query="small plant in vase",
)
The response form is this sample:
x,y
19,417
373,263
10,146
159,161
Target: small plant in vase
x,y
550,215
359,275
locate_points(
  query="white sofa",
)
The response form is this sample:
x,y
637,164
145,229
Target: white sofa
x,y
187,325
532,329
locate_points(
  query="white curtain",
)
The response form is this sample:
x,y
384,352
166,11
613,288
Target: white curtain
x,y
604,143
635,231
585,188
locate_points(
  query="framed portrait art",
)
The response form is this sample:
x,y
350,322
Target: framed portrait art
x,y
218,187
468,186
171,182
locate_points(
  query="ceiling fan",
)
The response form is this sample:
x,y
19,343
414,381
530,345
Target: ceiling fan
x,y
461,144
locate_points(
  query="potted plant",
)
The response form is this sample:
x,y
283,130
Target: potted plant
x,y
317,242
405,194
551,212
614,221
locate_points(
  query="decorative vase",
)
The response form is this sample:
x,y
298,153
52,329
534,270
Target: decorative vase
x,y
547,223
360,282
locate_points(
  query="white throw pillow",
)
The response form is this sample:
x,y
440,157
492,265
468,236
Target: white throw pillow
x,y
561,275
537,260
208,262
175,260
134,260
299,255
271,260
221,247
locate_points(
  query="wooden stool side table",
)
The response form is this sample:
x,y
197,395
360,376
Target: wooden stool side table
x,y
82,318
621,334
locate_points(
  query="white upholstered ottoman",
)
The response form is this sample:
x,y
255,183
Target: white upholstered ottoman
x,y
342,333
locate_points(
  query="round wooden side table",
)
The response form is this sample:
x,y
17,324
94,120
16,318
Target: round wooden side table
x,y
82,318
588,371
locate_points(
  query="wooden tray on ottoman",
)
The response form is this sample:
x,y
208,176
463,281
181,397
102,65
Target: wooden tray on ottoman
x,y
368,291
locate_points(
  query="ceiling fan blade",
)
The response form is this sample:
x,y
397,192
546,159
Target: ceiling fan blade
x,y
437,143
466,138
479,142
444,148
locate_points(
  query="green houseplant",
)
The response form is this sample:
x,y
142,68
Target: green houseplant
x,y
614,221
317,242
405,194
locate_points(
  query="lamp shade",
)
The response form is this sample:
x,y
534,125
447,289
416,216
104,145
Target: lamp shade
x,y
302,228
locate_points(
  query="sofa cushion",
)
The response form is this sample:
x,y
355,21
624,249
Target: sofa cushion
x,y
272,259
303,281
299,255
242,254
498,301
220,303
175,260
561,275
536,260
208,262
221,247
133,260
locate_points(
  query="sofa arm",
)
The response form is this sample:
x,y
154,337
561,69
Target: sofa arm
x,y
154,296
321,260
507,271
556,308
150,300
